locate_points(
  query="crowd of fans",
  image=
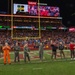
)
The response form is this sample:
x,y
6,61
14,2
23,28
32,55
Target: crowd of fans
x,y
56,36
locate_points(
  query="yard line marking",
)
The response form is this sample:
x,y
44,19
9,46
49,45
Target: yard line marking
x,y
37,68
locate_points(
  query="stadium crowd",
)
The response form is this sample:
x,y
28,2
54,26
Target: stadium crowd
x,y
56,36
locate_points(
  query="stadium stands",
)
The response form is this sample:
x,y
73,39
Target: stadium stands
x,y
48,34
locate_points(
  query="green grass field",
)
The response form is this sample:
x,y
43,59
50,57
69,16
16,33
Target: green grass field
x,y
35,67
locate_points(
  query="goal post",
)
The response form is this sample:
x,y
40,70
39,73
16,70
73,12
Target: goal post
x,y
18,18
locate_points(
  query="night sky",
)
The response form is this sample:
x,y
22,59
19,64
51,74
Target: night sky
x,y
67,8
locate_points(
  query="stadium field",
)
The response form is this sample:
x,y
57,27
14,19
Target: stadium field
x,y
36,67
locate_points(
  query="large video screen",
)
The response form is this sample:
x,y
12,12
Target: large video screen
x,y
44,11
33,10
20,8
